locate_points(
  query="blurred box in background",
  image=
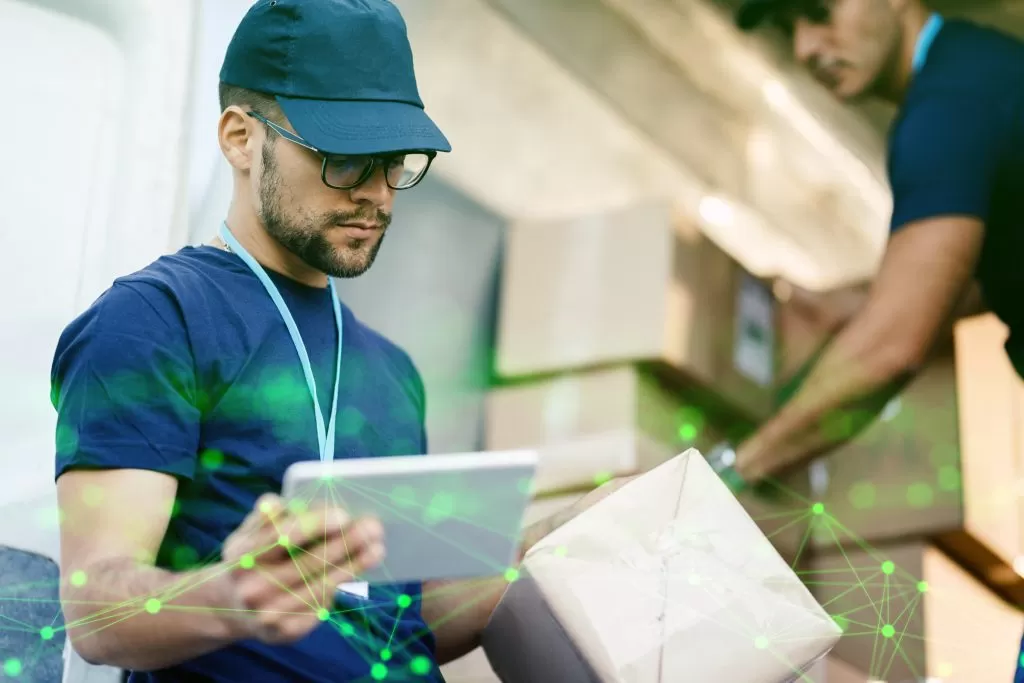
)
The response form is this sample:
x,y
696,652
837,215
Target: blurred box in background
x,y
640,284
591,426
943,461
910,614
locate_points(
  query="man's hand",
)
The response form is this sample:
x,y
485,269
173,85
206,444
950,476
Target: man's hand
x,y
285,566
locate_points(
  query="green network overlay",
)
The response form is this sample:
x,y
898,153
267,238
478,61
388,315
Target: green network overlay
x,y
871,598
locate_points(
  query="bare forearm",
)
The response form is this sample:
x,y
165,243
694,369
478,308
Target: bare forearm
x,y
458,611
132,616
851,383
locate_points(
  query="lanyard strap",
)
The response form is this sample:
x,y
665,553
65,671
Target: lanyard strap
x,y
925,40
325,436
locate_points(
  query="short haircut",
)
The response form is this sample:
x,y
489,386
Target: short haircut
x,y
262,103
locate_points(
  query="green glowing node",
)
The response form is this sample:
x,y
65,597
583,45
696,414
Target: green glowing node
x,y
12,667
403,497
379,672
297,506
760,642
602,478
46,633
922,586
511,574
322,614
818,509
920,495
283,541
1022,659
153,606
247,561
888,568
78,578
888,631
442,506
347,630
385,655
404,601
420,665
687,432
175,508
842,622
949,479
561,551
211,459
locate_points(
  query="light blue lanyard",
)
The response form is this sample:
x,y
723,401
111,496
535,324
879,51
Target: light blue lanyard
x,y
325,436
925,40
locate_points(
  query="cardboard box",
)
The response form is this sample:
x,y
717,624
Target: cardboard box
x,y
667,579
591,426
474,668
831,669
636,285
899,630
943,461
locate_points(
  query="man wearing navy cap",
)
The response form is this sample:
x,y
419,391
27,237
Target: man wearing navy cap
x,y
186,390
956,167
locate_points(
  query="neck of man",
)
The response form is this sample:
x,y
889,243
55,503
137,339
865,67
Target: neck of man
x,y
267,251
893,88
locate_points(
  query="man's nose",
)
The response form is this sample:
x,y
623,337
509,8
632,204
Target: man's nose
x,y
374,190
808,40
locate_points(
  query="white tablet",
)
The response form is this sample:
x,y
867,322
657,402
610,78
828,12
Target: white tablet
x,y
445,516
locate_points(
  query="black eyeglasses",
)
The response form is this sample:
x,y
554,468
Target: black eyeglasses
x,y
402,170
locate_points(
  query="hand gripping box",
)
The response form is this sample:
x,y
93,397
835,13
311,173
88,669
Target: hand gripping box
x,y
667,579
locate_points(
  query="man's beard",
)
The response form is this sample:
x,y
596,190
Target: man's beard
x,y
306,236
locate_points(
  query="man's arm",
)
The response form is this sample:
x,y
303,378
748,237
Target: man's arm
x,y
458,611
120,609
926,271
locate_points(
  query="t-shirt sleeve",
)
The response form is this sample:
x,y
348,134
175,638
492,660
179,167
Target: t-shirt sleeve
x,y
123,384
943,157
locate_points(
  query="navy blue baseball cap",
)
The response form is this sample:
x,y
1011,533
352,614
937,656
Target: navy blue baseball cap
x,y
341,70
752,13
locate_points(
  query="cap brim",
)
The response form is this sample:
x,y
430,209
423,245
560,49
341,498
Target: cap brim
x,y
752,13
363,126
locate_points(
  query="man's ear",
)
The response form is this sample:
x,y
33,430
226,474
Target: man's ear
x,y
236,136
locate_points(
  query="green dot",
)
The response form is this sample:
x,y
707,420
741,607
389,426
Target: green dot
x,y
78,578
347,630
561,551
175,508
511,574
153,606
442,506
385,655
350,421
12,667
862,495
602,478
184,557
420,665
46,633
1022,659
922,586
818,509
888,631
323,614
687,432
404,601
888,568
298,506
403,497
760,642
247,561
283,540
949,479
842,622
920,495
211,459
379,672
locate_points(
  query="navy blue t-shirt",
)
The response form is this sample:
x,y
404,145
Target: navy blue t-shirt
x,y
957,148
186,368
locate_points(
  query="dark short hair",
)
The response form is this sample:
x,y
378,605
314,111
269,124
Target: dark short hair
x,y
259,102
